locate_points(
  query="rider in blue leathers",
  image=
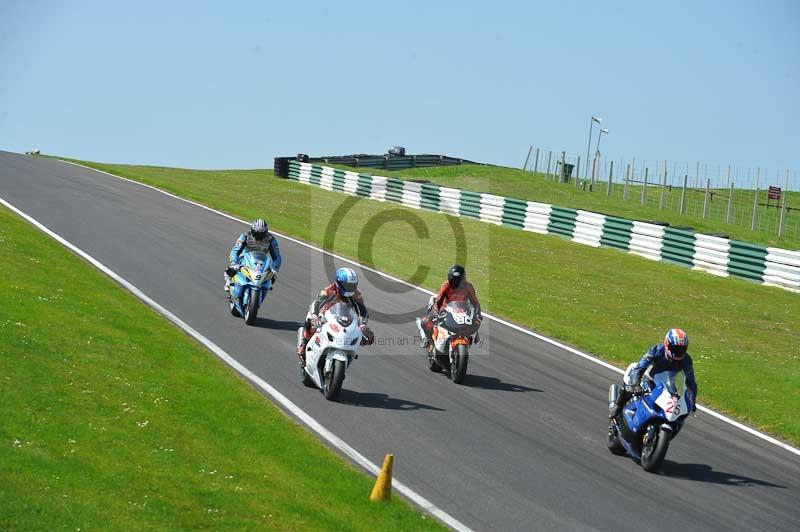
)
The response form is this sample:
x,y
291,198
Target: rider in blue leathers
x,y
671,355
259,239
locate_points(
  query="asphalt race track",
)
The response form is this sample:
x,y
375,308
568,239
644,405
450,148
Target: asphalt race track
x,y
520,446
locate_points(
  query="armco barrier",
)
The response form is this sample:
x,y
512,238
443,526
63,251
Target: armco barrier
x,y
716,255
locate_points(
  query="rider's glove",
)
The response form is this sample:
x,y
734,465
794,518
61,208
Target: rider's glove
x,y
637,389
316,321
368,336
232,269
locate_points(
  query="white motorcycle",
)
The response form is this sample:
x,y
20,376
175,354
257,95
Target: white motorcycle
x,y
332,349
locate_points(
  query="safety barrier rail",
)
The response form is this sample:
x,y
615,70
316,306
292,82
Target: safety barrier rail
x,y
715,255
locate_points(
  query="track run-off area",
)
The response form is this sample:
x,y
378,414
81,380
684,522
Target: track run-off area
x,y
519,446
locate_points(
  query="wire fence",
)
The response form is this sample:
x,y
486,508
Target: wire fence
x,y
761,199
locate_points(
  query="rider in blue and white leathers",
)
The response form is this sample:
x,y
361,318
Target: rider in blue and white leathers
x,y
258,239
671,355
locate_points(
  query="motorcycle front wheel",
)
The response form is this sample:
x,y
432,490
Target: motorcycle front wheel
x,y
251,310
655,443
332,383
458,369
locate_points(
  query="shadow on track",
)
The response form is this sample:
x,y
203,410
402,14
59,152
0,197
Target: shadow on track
x,y
381,400
704,473
493,383
277,325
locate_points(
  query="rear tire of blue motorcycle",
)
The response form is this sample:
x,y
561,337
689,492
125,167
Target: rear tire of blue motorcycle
x,y
654,453
234,312
614,445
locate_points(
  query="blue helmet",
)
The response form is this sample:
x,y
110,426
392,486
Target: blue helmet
x,y
346,281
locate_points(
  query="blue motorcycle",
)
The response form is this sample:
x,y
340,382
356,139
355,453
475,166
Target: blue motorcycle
x,y
250,284
645,425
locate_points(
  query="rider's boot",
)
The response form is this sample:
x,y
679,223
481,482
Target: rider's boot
x,y
423,334
301,351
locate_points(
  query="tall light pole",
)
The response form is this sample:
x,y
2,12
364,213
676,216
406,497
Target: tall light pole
x,y
596,163
589,145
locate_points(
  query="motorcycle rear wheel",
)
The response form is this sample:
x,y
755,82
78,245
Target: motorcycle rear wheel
x,y
614,445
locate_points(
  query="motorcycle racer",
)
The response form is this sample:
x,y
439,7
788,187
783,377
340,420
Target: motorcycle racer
x,y
671,355
343,288
258,239
456,288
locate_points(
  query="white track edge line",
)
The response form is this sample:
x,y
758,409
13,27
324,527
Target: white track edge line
x,y
538,336
284,401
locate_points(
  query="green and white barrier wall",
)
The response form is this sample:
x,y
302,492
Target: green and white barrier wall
x,y
719,256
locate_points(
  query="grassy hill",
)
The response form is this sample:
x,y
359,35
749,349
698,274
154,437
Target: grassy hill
x,y
538,187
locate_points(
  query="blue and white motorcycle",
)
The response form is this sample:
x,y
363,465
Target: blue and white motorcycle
x,y
250,284
646,425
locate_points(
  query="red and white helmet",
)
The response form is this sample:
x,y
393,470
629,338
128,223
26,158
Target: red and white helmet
x,y
676,343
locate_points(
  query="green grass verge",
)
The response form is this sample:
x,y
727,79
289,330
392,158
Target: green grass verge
x,y
114,419
615,305
537,187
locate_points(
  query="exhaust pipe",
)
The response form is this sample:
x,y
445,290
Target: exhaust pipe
x,y
613,396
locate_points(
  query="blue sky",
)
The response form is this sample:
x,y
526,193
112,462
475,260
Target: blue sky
x,y
232,84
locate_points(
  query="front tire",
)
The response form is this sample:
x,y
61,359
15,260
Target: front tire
x,y
332,385
458,369
654,450
251,310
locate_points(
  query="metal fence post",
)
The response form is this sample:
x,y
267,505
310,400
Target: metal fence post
x,y
578,171
549,160
782,223
754,223
563,161
536,162
644,188
707,198
625,193
610,177
663,188
729,214
683,193
527,158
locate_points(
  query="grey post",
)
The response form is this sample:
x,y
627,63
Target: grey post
x,y
644,188
549,160
527,158
536,162
782,223
707,198
610,177
563,161
729,177
754,224
663,188
729,214
625,193
683,193
578,172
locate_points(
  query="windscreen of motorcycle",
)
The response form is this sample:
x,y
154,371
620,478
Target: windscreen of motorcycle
x,y
672,399
344,314
458,316
258,266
